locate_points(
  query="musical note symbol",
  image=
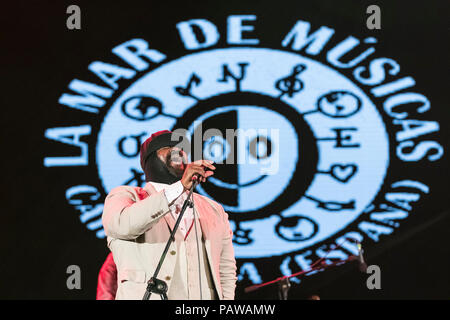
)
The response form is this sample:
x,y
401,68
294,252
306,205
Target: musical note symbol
x,y
290,85
186,91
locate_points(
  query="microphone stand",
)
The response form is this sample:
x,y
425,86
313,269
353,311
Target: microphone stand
x,y
284,284
156,285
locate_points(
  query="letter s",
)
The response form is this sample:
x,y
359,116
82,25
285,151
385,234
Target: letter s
x,y
419,151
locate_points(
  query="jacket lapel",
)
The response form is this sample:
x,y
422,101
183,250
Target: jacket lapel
x,y
199,206
167,217
203,219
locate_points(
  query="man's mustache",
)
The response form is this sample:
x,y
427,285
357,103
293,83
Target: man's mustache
x,y
173,163
175,158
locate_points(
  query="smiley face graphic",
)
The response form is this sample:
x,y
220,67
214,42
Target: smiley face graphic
x,y
255,148
245,146
269,121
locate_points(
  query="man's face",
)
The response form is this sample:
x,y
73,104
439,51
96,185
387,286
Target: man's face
x,y
174,158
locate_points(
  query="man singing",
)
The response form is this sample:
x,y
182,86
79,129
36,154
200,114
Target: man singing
x,y
200,263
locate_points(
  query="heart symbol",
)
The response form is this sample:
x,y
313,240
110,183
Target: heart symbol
x,y
343,173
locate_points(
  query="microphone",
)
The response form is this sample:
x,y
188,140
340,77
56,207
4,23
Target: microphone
x,y
195,181
360,258
196,177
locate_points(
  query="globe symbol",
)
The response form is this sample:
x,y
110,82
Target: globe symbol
x,y
339,104
141,108
296,228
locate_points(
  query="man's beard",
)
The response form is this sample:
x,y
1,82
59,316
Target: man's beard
x,y
166,171
175,165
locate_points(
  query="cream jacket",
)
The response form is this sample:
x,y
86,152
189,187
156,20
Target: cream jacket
x,y
136,222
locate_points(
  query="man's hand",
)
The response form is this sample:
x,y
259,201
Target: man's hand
x,y
196,169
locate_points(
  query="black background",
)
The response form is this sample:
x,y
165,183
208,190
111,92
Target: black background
x,y
41,234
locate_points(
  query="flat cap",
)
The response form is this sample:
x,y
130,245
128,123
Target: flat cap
x,y
157,141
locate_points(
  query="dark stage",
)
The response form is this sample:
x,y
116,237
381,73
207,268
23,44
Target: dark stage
x,y
354,146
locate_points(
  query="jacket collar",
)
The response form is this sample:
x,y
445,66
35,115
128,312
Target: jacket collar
x,y
199,204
